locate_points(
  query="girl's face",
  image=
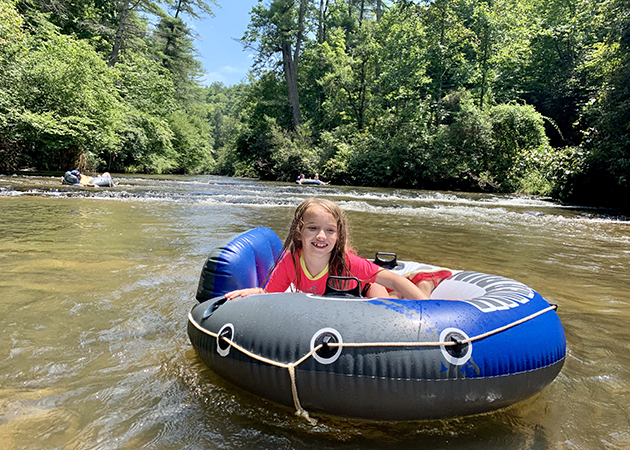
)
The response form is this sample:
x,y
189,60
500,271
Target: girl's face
x,y
319,232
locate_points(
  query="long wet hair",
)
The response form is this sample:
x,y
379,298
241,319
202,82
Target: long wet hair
x,y
337,265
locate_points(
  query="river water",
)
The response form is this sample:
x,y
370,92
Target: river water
x,y
96,284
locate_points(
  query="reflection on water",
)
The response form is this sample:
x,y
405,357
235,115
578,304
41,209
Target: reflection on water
x,y
96,283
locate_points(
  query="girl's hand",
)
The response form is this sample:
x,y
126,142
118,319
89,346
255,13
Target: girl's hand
x,y
244,293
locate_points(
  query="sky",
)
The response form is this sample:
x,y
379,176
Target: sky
x,y
223,58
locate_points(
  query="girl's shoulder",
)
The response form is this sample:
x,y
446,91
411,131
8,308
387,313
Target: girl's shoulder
x,y
288,257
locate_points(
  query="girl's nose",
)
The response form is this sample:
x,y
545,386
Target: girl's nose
x,y
321,235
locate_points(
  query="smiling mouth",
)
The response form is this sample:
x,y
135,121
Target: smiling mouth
x,y
319,245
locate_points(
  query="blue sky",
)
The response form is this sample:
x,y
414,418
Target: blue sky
x,y
224,59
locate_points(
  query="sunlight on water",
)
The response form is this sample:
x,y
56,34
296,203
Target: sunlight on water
x,y
96,285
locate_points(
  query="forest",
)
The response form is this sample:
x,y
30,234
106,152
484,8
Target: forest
x,y
517,96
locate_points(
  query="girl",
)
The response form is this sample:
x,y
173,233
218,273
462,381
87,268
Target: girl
x,y
318,244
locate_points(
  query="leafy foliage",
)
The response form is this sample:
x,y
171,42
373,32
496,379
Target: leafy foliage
x,y
66,103
606,177
61,103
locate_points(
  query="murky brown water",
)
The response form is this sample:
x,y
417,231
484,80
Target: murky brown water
x,y
95,286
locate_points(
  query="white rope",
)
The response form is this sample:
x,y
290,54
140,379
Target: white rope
x,y
446,344
301,412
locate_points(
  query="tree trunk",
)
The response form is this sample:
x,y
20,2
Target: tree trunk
x,y
290,65
290,75
321,25
118,38
377,69
484,64
169,39
361,12
441,65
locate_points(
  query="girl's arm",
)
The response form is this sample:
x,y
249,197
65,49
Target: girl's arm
x,y
244,293
400,284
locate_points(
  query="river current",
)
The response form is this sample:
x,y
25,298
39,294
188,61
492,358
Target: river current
x,y
96,284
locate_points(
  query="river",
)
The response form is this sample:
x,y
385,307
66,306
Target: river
x,y
96,284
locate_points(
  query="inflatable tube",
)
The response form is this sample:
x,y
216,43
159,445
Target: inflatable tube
x,y
498,343
255,249
310,181
102,181
69,179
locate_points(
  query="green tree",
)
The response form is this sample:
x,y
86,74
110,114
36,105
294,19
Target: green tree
x,y
149,96
280,29
554,76
124,13
175,49
264,106
60,101
192,141
225,109
606,178
404,80
447,42
11,47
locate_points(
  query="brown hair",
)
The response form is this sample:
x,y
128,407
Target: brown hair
x,y
293,244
